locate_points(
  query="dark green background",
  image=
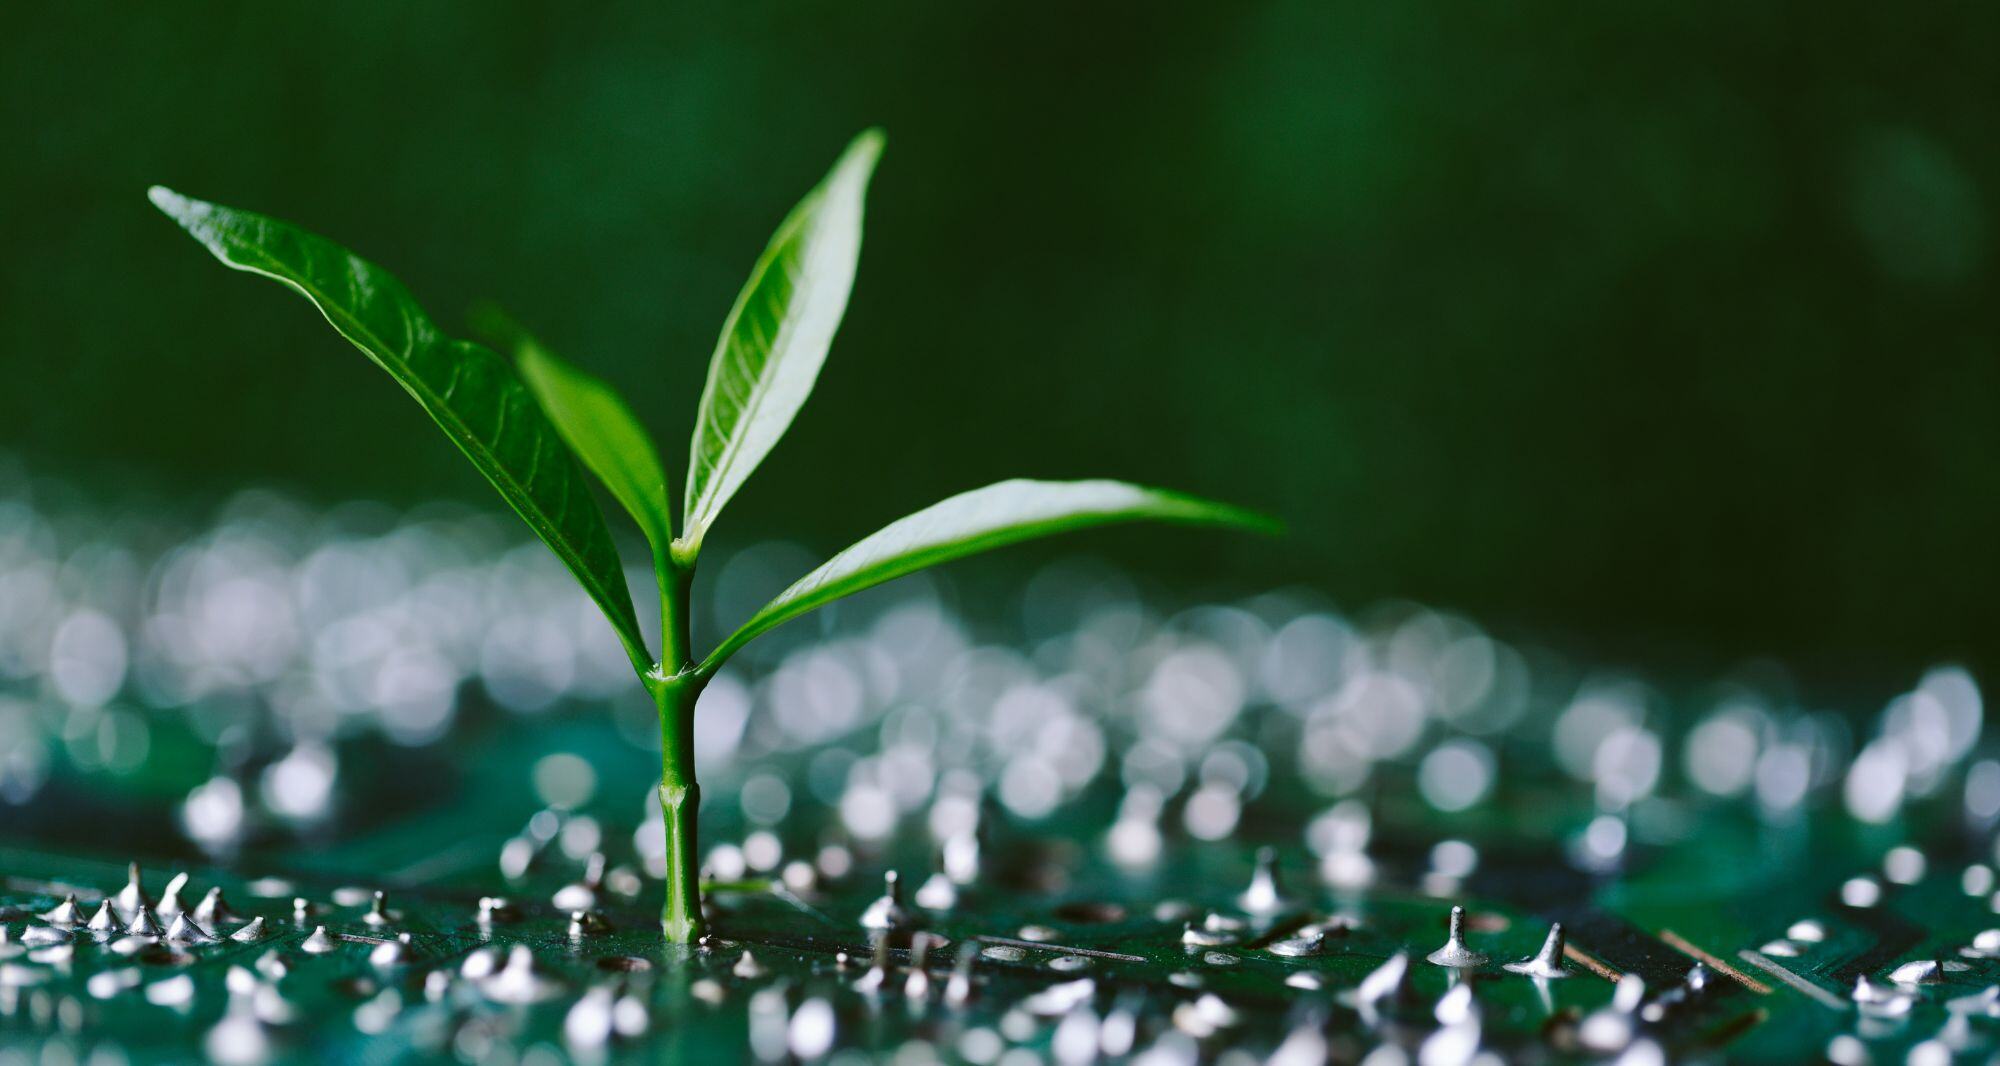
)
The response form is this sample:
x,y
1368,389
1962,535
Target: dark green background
x,y
1665,328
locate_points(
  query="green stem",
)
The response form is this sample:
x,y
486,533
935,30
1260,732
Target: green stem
x,y
680,800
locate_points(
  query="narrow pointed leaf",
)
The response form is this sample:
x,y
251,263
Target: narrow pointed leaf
x,y
598,427
976,521
776,337
470,391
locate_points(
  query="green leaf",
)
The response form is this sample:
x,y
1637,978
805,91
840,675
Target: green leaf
x,y
974,522
598,426
470,391
776,337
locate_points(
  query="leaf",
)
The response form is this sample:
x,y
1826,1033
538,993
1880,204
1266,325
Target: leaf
x,y
776,337
973,522
470,391
598,427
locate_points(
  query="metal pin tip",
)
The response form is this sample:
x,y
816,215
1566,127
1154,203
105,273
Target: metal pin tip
x,y
1546,963
170,899
213,909
143,923
1389,982
1454,953
183,930
65,914
104,921
1264,896
887,912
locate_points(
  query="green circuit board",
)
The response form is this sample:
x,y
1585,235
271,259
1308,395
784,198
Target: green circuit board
x,y
1072,826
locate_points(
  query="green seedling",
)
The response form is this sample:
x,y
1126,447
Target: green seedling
x,y
526,432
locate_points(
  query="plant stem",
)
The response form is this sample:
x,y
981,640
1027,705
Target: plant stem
x,y
680,800
676,687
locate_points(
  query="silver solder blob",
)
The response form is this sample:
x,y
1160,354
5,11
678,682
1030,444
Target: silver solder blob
x,y
143,924
938,893
1546,963
1264,897
183,930
887,913
378,910
319,942
170,900
1454,953
392,953
1610,1028
521,980
1387,985
251,932
66,914
213,910
131,899
104,923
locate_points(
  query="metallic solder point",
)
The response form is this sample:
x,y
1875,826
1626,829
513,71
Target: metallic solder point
x,y
143,924
887,912
958,987
1389,983
104,923
582,895
378,909
495,909
1457,1006
1264,896
319,942
878,969
1214,930
213,910
170,900
183,930
1309,941
130,899
302,908
1546,963
65,914
1610,1028
520,980
938,893
1985,1004
747,966
391,953
587,923
1454,953
250,933
44,936
918,984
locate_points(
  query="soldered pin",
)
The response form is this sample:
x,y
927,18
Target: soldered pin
x,y
1454,953
1264,897
183,930
213,910
170,900
65,914
132,898
1546,963
887,912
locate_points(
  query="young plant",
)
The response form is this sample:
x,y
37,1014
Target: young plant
x,y
525,432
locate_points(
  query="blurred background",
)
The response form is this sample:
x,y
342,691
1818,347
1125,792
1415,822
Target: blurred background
x,y
1663,334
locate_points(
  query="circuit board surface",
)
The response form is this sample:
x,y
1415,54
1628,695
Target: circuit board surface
x,y
1069,827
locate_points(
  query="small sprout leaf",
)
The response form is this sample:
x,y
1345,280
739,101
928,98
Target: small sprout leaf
x,y
468,390
973,522
776,337
598,427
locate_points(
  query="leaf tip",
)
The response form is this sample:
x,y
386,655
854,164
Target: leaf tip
x,y
166,199
864,151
